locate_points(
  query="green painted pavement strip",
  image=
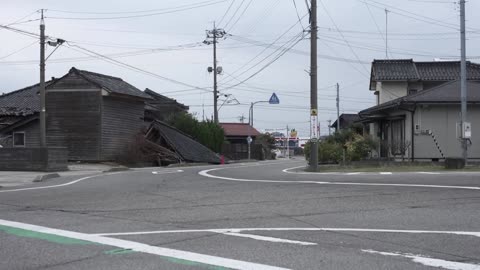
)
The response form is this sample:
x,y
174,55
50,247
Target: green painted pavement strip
x,y
119,251
44,236
72,241
191,263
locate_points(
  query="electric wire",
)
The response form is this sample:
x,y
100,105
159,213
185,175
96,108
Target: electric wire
x,y
166,11
239,17
234,14
226,12
131,67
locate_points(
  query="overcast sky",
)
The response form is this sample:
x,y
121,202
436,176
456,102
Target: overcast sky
x,y
167,42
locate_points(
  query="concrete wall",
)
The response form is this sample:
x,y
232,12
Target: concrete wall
x,y
442,121
391,90
33,159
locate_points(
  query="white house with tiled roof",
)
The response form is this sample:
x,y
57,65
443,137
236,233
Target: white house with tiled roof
x,y
418,108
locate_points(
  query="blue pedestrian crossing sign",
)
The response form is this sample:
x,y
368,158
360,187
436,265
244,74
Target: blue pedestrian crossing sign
x,y
274,99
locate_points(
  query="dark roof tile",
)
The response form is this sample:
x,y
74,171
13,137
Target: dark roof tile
x,y
239,129
111,84
408,70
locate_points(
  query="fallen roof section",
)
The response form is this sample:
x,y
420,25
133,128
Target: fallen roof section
x,y
176,143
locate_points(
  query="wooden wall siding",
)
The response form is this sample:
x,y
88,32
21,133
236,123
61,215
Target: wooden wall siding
x,y
122,119
73,121
72,81
32,135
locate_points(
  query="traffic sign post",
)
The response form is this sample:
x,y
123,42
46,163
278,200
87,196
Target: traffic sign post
x,y
274,99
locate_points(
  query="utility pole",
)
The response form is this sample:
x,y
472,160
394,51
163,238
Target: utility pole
x,y
329,126
43,125
344,154
463,82
215,90
214,35
338,107
287,155
386,33
313,87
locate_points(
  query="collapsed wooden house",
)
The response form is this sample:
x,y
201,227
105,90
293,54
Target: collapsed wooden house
x,y
172,146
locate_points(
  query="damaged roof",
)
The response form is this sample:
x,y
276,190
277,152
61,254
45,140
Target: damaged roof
x,y
111,84
186,147
22,102
159,99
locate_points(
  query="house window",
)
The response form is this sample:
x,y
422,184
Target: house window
x,y
412,91
19,139
398,137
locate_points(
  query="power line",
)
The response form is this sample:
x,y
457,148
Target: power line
x,y
411,15
266,48
23,18
226,12
166,11
285,50
19,50
241,15
378,28
234,14
131,67
298,15
346,41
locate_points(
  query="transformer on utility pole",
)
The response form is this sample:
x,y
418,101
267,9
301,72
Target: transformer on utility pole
x,y
212,37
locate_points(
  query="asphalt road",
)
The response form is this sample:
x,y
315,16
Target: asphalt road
x,y
244,216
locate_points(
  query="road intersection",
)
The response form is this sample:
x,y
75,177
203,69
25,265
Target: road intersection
x,y
243,216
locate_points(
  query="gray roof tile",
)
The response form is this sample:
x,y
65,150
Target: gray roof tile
x,y
408,70
111,84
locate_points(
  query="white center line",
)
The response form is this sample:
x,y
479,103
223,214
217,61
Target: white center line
x,y
240,230
269,239
206,173
144,248
386,173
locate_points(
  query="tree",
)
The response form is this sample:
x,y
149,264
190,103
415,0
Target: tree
x,y
207,132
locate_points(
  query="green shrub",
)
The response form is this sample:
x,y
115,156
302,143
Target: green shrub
x,y
207,132
330,150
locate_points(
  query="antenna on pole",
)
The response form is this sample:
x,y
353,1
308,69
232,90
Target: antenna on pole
x,y
386,33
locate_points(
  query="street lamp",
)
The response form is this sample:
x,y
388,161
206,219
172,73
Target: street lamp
x,y
273,100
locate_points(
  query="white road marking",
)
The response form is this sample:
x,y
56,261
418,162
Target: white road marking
x,y
72,182
386,173
269,239
430,173
206,174
429,261
144,248
169,172
240,230
354,173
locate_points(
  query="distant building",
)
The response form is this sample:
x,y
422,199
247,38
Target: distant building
x,y
236,134
347,120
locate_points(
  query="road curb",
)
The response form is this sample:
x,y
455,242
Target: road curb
x,y
45,177
116,169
